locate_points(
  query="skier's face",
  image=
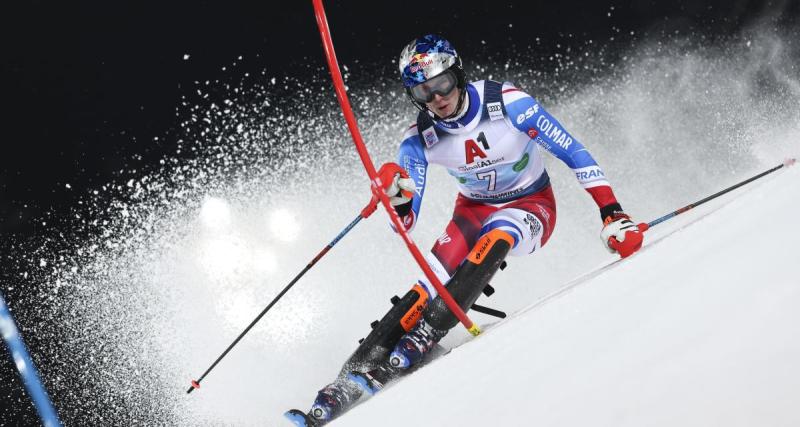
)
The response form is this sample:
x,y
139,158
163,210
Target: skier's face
x,y
444,106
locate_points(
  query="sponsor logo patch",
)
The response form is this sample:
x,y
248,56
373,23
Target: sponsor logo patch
x,y
495,110
534,224
500,196
555,133
528,113
430,137
589,175
420,61
520,165
486,242
545,215
480,164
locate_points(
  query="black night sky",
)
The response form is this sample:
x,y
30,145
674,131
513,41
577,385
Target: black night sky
x,y
87,87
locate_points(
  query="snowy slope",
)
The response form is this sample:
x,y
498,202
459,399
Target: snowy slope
x,y
698,329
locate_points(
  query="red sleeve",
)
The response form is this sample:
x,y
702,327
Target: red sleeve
x,y
602,195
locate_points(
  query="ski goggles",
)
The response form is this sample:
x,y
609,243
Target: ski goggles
x,y
440,85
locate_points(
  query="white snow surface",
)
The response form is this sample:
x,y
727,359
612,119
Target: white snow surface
x,y
699,328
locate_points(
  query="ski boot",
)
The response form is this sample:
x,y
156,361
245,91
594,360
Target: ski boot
x,y
331,401
338,397
301,419
415,345
466,285
408,352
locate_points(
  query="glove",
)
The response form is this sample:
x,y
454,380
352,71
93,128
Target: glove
x,y
400,188
621,235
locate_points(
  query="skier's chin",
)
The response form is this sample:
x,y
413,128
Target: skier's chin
x,y
444,111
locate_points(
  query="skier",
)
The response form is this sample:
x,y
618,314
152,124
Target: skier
x,y
487,135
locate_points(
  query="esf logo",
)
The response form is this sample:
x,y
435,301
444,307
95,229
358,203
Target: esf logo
x,y
528,114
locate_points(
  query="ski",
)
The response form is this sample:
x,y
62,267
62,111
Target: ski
x,y
375,380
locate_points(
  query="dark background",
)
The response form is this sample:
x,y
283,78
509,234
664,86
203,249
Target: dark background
x,y
87,87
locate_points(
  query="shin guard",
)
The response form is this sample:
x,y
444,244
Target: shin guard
x,y
375,348
471,277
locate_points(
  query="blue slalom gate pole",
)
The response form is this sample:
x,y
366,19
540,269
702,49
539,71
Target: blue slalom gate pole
x,y
27,370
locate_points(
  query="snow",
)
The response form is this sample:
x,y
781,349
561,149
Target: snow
x,y
173,268
699,328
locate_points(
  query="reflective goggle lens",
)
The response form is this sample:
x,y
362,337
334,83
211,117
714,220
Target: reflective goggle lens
x,y
440,85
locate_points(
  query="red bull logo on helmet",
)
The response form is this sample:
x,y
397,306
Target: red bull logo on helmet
x,y
420,61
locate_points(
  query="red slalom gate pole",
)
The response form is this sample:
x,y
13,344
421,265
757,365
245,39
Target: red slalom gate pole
x,y
341,95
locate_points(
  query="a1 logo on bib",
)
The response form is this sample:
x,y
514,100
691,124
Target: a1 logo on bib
x,y
472,150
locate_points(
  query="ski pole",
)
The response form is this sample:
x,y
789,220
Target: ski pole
x,y
341,95
366,212
786,163
26,368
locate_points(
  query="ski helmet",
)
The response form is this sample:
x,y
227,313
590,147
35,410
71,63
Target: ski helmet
x,y
427,57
